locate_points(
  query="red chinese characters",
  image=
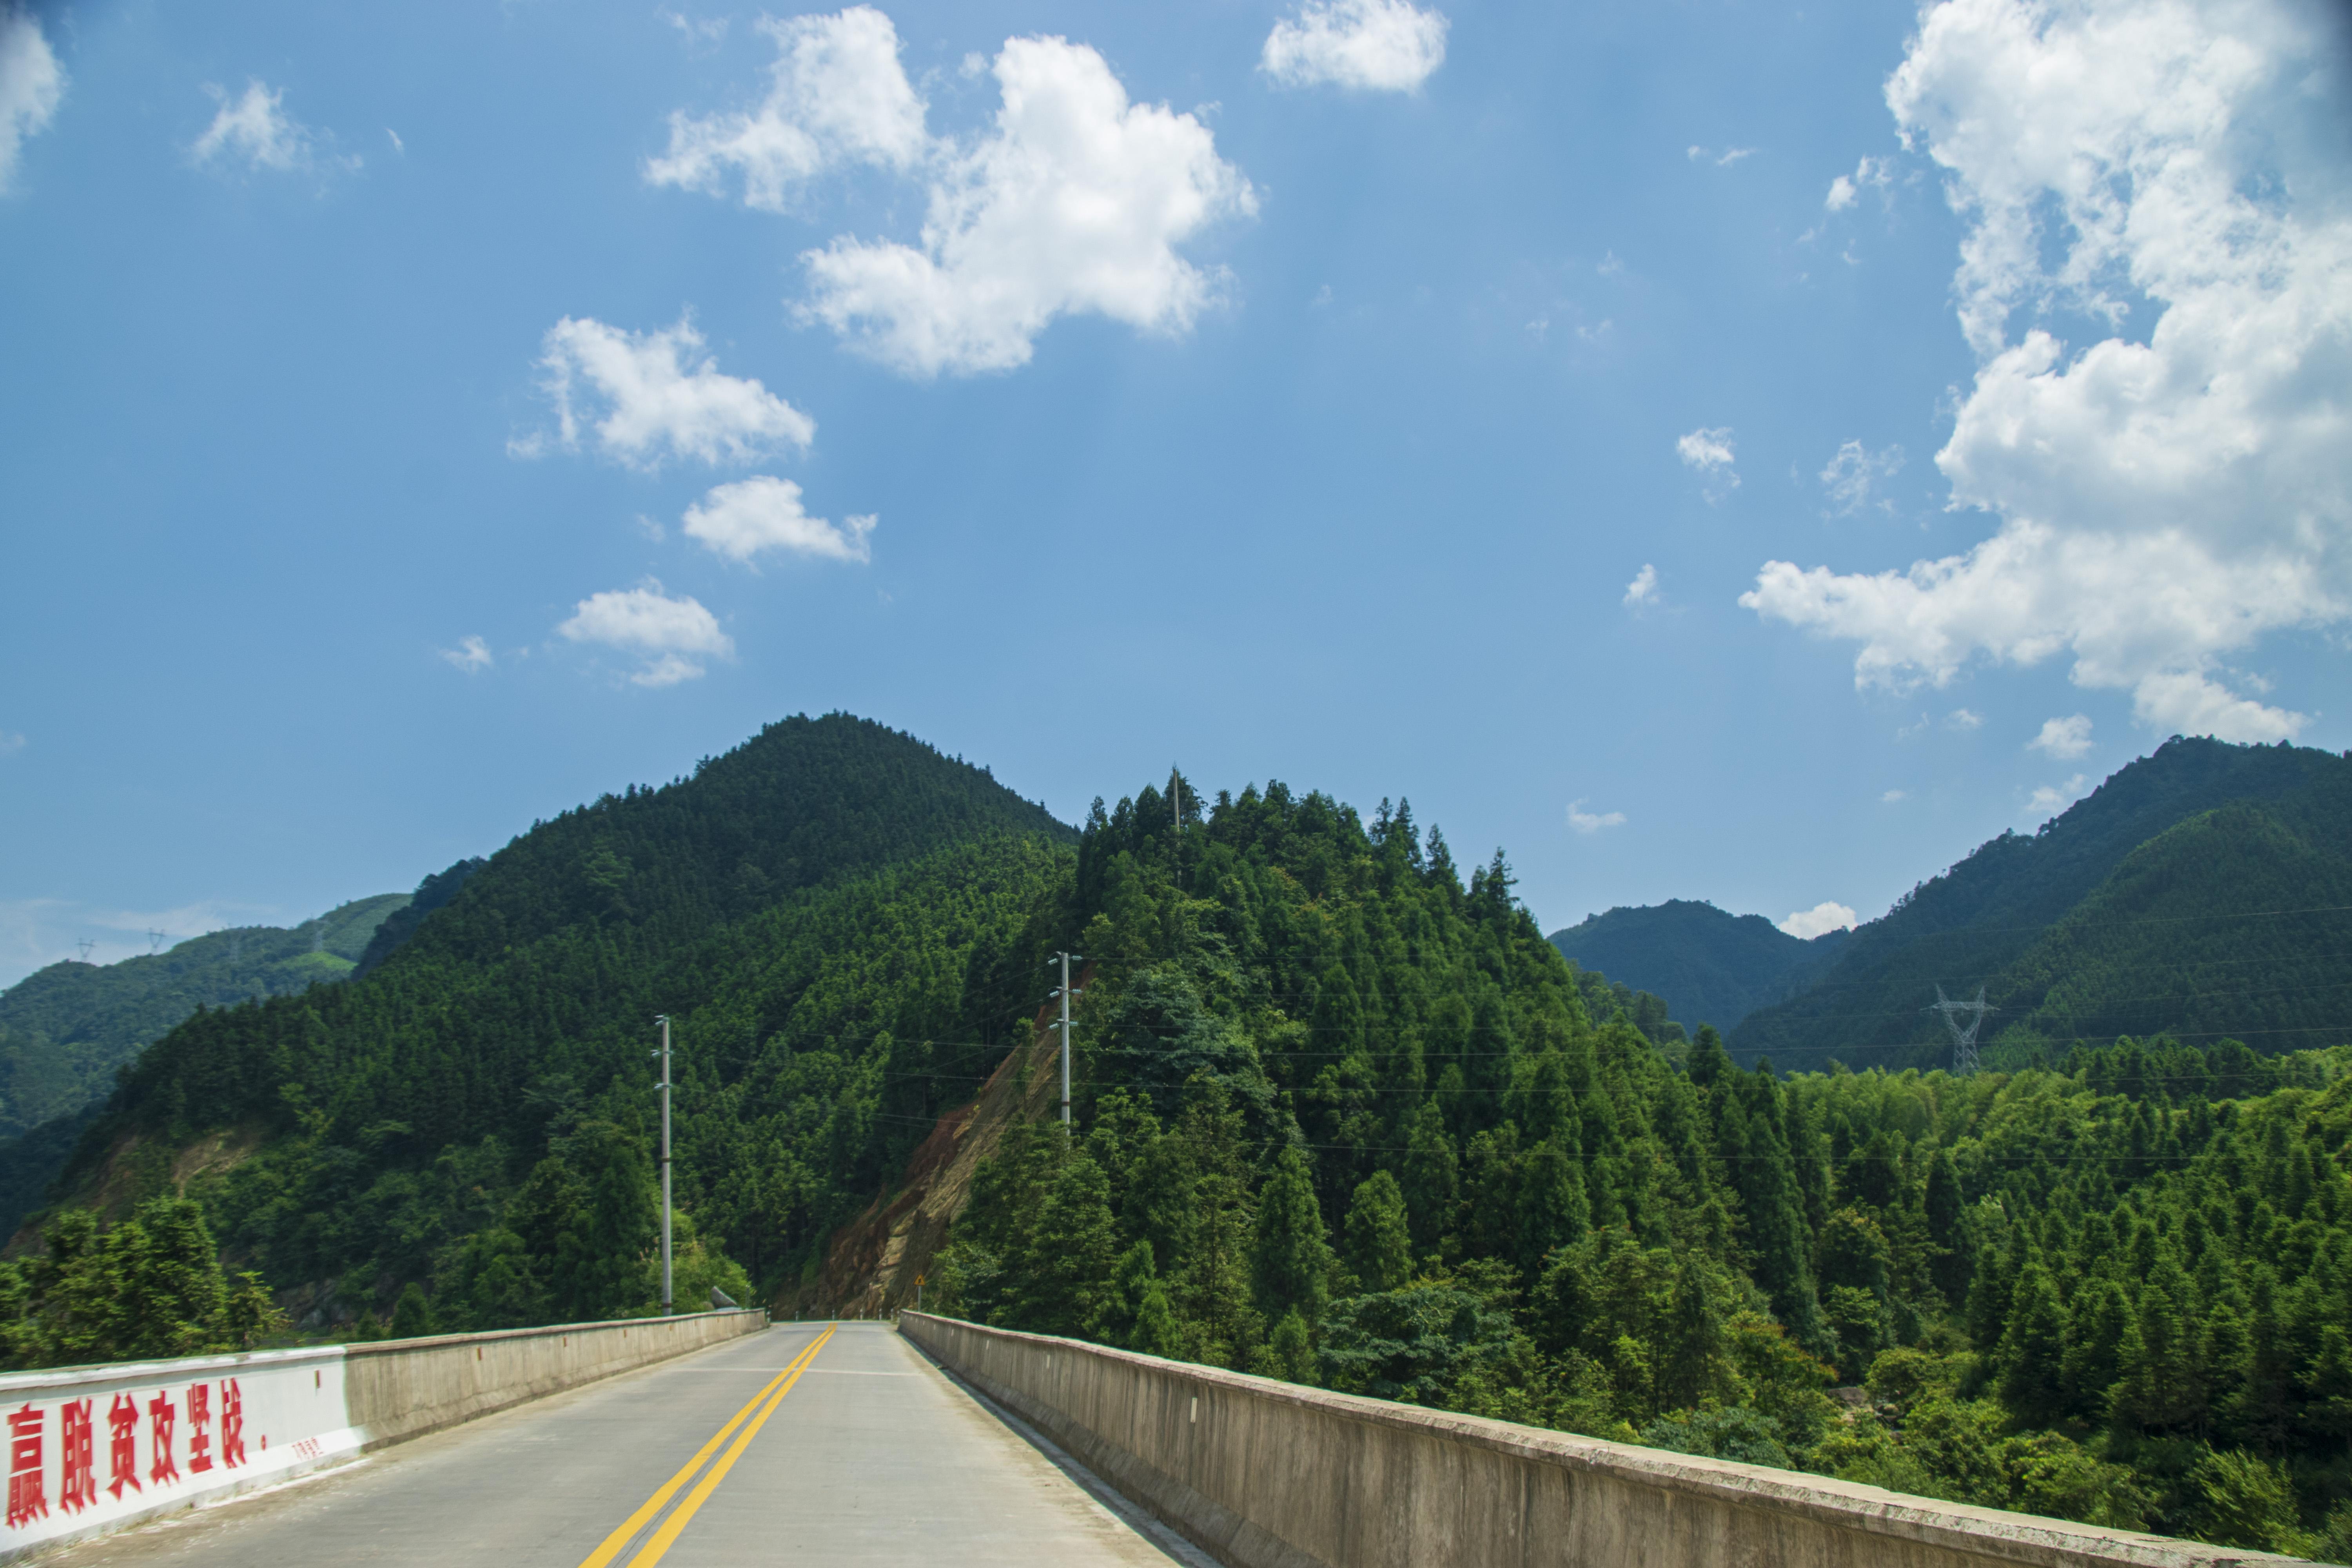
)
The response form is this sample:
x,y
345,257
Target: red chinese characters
x,y
76,1475
122,1450
232,1424
27,1494
200,1420
163,1416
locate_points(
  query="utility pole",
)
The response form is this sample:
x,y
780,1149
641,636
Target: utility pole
x,y
1064,993
664,1053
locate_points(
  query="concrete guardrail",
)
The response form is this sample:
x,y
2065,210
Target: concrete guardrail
x,y
93,1449
1264,1474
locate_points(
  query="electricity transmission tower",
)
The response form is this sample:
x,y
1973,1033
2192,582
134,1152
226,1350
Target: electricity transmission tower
x,y
1964,1037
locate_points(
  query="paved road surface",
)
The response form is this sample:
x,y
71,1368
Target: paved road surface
x,y
800,1444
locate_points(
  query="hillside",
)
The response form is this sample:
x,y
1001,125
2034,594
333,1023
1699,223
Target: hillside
x,y
824,911
1710,967
1342,1115
2201,889
64,1030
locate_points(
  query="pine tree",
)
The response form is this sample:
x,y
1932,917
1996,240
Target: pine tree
x,y
2033,1354
1380,1245
2094,1341
1070,1253
1946,1212
1552,1209
1293,1349
1292,1264
1432,1176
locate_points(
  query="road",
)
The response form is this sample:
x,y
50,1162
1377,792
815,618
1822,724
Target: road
x,y
807,1442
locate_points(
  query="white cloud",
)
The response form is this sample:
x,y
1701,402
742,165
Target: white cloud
x,y
2056,797
397,145
1709,451
1846,188
32,84
674,635
1963,719
1378,45
471,655
738,521
1822,917
254,128
2171,493
1852,473
1723,160
1642,589
837,96
2064,739
659,400
1074,203
1891,796
1592,822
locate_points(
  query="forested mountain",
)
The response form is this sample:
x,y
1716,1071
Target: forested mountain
x,y
826,911
1344,1120
1343,1116
66,1029
2206,889
1710,967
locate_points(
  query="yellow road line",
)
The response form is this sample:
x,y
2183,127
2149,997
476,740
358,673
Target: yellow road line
x,y
685,1511
612,1543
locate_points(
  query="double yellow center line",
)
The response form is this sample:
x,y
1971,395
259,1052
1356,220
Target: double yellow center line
x,y
750,1418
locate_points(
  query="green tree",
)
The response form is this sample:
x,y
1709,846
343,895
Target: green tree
x,y
2032,1352
1292,1265
1379,1240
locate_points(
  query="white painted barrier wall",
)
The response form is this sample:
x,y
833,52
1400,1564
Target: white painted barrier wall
x,y
92,1449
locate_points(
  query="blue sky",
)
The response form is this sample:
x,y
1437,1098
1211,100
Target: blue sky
x,y
1737,452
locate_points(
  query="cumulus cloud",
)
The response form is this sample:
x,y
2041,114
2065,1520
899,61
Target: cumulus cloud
x,y
836,95
471,655
1585,821
1072,202
1871,172
1964,719
673,636
1643,589
1376,45
2056,797
1709,451
1821,918
1853,473
254,131
1891,796
32,84
2182,486
739,520
2064,739
660,398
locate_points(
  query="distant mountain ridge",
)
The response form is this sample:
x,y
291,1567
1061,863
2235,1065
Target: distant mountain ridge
x,y
1710,966
64,1030
2201,890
